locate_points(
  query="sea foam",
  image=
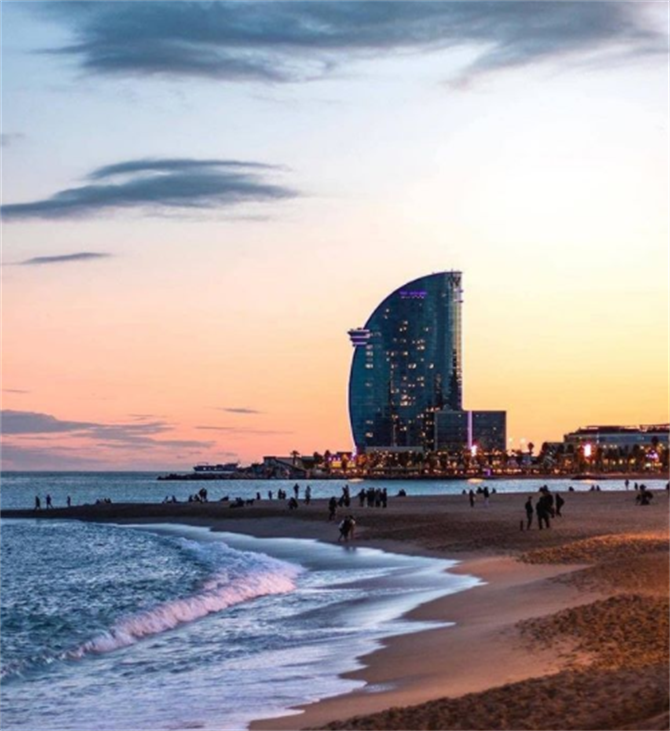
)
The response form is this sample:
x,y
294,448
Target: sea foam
x,y
244,577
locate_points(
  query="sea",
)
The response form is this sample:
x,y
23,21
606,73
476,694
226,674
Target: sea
x,y
110,627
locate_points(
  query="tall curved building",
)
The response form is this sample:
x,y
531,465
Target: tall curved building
x,y
407,364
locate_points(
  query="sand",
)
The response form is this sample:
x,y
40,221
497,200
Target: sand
x,y
570,630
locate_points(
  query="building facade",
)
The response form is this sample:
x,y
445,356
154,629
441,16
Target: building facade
x,y
407,365
458,430
645,435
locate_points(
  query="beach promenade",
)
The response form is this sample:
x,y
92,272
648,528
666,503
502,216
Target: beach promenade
x,y
570,630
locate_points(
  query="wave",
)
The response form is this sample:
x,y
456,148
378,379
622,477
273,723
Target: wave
x,y
247,576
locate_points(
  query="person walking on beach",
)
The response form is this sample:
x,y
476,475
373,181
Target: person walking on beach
x,y
332,508
560,502
38,503
471,497
486,493
48,501
308,495
529,512
68,500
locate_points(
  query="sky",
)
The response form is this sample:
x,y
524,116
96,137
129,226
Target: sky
x,y
200,199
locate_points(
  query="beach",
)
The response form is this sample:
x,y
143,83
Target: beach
x,y
569,629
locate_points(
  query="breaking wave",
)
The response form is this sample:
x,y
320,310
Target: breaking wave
x,y
230,577
246,576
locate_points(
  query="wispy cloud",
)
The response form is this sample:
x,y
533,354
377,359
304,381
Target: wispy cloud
x,y
135,434
157,186
64,258
242,430
34,422
297,41
21,456
238,410
14,390
8,138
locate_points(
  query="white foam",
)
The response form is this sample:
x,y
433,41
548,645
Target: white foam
x,y
247,576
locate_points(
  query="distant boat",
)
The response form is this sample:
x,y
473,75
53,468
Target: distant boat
x,y
228,468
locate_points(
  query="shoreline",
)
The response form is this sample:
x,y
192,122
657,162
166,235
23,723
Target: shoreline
x,y
484,651
409,669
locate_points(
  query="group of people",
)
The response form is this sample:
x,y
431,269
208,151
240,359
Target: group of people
x,y
373,497
202,496
548,506
482,491
48,502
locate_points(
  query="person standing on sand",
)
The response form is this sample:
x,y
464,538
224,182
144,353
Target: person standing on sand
x,y
345,528
471,497
49,505
332,508
529,512
38,503
542,511
69,501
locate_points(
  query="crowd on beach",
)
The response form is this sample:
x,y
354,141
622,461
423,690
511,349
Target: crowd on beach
x,y
548,505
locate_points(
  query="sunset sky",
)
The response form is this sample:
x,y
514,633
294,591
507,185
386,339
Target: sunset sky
x,y
199,200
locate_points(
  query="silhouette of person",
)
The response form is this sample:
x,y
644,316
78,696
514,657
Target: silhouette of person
x,y
69,501
560,502
529,512
38,503
471,497
48,501
542,512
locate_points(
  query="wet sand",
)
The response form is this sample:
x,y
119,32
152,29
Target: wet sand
x,y
570,631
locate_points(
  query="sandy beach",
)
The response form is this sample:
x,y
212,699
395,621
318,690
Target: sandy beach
x,y
570,630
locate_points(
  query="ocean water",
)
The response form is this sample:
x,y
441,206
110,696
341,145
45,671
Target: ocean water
x,y
109,627
19,488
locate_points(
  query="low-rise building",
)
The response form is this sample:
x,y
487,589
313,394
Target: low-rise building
x,y
645,435
458,430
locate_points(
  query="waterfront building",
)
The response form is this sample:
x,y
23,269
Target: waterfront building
x,y
645,435
457,430
407,365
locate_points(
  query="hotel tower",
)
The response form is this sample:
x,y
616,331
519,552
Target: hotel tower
x,y
407,364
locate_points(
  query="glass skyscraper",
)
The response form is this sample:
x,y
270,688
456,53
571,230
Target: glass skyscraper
x,y
407,364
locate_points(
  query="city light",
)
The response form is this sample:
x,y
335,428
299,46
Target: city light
x,y
587,450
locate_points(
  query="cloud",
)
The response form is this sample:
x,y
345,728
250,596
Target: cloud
x,y
21,457
233,430
136,434
64,258
33,422
7,138
298,41
237,410
14,390
158,186
146,443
